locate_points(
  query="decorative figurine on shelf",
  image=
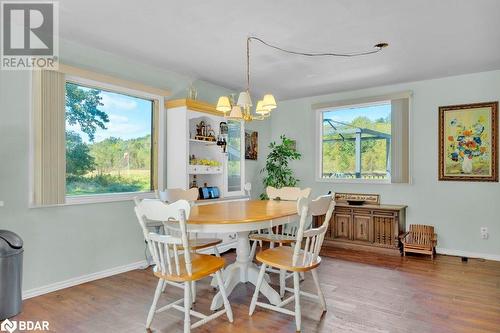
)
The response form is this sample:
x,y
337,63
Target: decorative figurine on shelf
x,y
221,142
201,128
194,184
223,129
204,132
211,134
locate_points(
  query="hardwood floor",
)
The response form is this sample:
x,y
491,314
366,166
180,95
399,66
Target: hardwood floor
x,y
365,292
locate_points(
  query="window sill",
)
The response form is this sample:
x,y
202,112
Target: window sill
x,y
100,198
355,181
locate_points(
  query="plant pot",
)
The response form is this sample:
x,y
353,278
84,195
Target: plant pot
x,y
467,165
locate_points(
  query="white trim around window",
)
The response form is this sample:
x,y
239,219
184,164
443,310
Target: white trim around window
x,y
108,197
358,102
111,197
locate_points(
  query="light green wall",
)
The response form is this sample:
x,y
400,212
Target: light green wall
x,y
457,209
252,168
71,241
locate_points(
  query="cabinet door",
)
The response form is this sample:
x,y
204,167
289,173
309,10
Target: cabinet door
x,y
361,225
235,159
342,223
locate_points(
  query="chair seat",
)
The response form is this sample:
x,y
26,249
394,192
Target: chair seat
x,y
273,238
202,243
281,257
418,246
202,266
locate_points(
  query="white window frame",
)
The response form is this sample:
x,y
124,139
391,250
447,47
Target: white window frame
x,y
122,196
319,110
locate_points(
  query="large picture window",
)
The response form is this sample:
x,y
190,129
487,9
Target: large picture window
x,y
108,141
356,142
364,142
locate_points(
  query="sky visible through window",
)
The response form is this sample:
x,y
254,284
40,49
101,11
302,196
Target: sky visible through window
x,y
339,150
118,159
347,115
129,117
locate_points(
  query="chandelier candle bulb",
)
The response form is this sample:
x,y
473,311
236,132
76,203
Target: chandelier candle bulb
x,y
223,104
236,113
260,109
269,102
244,99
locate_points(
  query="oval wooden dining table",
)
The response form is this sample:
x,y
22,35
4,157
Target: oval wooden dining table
x,y
242,217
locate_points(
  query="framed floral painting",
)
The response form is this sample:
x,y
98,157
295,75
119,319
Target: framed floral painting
x,y
468,142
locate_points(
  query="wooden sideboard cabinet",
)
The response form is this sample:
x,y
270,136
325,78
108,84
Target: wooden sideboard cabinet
x,y
377,226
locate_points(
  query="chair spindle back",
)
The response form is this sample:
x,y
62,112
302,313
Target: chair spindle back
x,y
323,205
421,234
164,248
175,194
288,194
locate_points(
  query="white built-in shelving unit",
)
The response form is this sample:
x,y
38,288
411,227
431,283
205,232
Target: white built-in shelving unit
x,y
228,175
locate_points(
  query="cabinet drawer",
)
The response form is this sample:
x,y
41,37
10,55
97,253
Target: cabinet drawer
x,y
361,211
343,210
384,213
204,169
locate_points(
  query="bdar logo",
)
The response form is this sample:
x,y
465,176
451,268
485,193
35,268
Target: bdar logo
x,y
8,326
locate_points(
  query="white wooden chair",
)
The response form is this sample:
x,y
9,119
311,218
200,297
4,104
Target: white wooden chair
x,y
180,270
195,243
191,195
286,233
175,194
297,259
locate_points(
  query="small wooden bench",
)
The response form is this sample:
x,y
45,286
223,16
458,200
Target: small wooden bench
x,y
419,239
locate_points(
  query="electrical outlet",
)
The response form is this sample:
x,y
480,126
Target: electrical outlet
x,y
484,232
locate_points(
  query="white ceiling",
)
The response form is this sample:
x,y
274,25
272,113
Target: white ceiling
x,y
206,39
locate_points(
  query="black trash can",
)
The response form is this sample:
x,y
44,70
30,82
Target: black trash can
x,y
11,273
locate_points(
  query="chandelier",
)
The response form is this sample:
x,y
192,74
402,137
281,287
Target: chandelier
x,y
242,110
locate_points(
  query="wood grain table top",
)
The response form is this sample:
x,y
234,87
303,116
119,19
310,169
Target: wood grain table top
x,y
242,212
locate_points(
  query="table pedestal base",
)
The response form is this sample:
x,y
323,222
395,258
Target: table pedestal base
x,y
244,270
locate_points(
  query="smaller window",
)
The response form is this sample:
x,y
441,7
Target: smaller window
x,y
355,142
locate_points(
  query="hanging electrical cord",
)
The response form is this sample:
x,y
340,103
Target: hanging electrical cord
x,y
377,48
268,102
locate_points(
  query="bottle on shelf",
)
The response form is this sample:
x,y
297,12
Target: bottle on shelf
x,y
194,183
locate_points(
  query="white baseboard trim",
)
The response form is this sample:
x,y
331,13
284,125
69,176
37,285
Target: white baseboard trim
x,y
82,279
460,253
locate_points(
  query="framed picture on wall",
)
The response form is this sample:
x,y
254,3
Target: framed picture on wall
x,y
468,142
251,145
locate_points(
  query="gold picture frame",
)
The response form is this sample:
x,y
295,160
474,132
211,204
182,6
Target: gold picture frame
x,y
468,142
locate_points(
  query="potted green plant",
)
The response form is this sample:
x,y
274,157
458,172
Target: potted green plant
x,y
277,172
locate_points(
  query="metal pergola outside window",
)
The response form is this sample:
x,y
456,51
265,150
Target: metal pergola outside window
x,y
344,130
